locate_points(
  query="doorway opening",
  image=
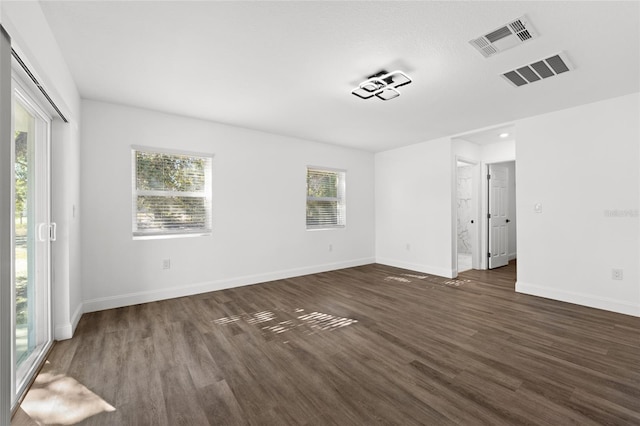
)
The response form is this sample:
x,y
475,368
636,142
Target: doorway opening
x,y
466,215
478,152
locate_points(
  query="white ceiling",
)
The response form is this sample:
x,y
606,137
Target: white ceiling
x,y
289,67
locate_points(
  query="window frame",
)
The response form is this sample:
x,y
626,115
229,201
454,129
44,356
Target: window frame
x,y
341,199
206,194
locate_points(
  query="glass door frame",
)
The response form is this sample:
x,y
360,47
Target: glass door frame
x,y
42,238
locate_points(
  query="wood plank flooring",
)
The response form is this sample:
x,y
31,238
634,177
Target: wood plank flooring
x,y
360,346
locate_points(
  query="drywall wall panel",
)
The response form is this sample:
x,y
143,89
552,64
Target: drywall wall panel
x,y
577,202
259,195
414,207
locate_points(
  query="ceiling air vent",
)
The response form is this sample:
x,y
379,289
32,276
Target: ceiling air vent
x,y
510,35
553,65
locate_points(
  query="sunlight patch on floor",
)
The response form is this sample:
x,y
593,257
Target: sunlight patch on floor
x,y
408,278
456,282
55,398
326,321
399,279
282,321
420,277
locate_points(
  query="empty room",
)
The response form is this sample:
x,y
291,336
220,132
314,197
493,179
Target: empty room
x,y
319,212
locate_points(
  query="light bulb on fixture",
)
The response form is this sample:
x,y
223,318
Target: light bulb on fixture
x,y
504,135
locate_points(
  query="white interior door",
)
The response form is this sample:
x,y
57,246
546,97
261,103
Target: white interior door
x,y
498,220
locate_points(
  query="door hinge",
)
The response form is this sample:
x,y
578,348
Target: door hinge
x,y
488,215
488,254
488,177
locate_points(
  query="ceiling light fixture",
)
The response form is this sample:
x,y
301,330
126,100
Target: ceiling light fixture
x,y
382,85
504,135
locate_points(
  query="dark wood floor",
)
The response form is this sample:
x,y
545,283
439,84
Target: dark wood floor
x,y
360,346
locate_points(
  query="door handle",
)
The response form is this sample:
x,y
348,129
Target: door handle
x,y
508,221
41,226
53,232
472,221
51,229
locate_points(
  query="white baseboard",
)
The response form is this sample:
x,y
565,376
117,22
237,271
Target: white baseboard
x,y
111,302
512,256
65,331
426,269
75,318
591,301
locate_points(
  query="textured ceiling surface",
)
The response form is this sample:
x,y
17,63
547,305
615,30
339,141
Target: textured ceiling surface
x,y
289,67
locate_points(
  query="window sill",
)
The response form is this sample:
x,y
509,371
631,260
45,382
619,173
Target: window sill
x,y
170,236
327,228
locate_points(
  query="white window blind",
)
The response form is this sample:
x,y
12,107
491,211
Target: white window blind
x,y
171,193
325,198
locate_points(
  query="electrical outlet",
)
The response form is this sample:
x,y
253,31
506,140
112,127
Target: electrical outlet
x,y
408,246
166,264
330,247
616,274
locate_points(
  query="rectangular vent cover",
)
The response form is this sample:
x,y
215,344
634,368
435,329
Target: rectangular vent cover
x,y
509,35
544,68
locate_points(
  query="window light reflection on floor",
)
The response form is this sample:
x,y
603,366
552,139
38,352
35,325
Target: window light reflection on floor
x,y
453,282
399,279
281,321
55,398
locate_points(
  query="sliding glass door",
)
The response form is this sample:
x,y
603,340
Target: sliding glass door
x,y
32,236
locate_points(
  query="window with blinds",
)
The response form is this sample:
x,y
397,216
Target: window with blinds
x,y
326,207
171,193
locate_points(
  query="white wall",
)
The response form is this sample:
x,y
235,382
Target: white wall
x,y
414,207
580,164
498,152
259,195
65,204
35,43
